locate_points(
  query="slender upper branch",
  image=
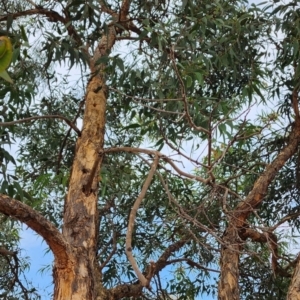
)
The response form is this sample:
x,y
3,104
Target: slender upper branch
x,y
69,122
38,223
153,152
52,16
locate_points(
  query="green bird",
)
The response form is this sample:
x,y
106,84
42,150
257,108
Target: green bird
x,y
5,57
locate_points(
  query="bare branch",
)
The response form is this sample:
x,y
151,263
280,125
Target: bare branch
x,y
4,251
52,16
180,152
38,223
230,257
295,104
285,219
153,152
69,122
131,220
144,99
163,259
295,97
124,10
113,251
14,267
192,264
269,238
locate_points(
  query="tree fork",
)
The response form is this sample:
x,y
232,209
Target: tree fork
x,y
229,261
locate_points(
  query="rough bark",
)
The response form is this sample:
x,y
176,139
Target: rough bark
x,y
80,216
39,224
230,251
80,280
294,288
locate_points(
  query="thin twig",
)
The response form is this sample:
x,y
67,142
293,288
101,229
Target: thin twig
x,y
285,219
144,99
52,16
153,152
66,137
69,122
192,264
113,251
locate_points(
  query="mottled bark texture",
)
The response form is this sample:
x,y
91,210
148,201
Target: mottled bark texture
x,y
81,215
232,242
294,288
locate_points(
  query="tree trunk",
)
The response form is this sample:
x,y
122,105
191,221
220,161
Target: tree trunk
x,y
229,264
294,288
77,279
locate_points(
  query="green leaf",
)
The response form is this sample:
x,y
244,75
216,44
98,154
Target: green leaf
x,y
23,33
135,125
5,76
199,78
189,81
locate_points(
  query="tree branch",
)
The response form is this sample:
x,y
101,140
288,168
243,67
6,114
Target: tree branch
x,y
5,252
153,152
264,237
162,261
113,241
192,264
230,252
141,277
69,122
285,219
52,16
135,290
38,223
257,194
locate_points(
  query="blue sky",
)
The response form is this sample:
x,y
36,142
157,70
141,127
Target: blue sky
x,y
35,249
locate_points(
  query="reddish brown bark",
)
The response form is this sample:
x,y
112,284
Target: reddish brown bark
x,y
230,251
294,288
39,224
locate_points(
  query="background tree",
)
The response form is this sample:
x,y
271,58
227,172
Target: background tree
x,y
153,136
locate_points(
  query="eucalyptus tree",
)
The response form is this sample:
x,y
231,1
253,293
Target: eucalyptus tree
x,y
154,137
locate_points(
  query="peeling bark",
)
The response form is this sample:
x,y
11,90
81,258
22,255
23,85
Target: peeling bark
x,y
81,214
294,288
79,280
